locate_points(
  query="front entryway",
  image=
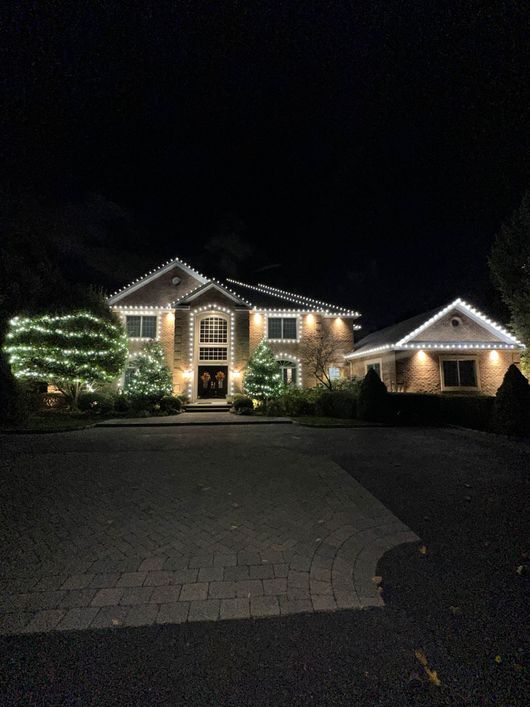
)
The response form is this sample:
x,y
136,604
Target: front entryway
x,y
212,382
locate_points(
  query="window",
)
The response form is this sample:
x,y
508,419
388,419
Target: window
x,y
281,328
334,373
213,330
288,372
212,353
459,373
140,326
376,365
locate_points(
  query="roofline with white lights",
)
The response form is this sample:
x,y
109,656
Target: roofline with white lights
x,y
297,299
152,275
466,308
510,341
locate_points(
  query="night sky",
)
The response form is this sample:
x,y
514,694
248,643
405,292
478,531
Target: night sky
x,y
362,153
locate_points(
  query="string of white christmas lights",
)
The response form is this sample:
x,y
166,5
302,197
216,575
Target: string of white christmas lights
x,y
158,270
297,299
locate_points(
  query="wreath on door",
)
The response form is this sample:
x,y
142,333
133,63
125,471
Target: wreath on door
x,y
220,376
205,379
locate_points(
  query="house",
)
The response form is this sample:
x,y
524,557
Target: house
x,y
450,349
209,329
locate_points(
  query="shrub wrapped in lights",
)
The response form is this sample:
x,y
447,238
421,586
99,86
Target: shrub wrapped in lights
x,y
73,352
149,374
263,380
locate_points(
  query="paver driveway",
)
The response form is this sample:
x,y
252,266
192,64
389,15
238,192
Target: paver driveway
x,y
110,527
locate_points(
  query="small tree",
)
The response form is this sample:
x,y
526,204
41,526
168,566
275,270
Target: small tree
x,y
373,403
320,350
509,264
263,380
150,374
511,411
70,351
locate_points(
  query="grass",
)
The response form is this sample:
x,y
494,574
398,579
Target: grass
x,y
52,422
314,421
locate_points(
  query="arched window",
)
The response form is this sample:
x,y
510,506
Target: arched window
x,y
289,371
213,338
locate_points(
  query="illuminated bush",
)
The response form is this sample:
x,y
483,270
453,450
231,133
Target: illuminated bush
x,y
70,351
263,380
148,374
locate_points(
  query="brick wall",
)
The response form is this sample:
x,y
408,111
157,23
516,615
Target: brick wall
x,y
161,291
388,367
307,325
420,371
467,330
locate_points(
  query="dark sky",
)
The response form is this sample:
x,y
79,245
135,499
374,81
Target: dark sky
x,y
364,153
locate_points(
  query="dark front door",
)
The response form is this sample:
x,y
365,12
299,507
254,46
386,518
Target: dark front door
x,y
212,381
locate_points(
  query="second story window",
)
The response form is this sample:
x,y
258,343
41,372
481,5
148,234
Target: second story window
x,y
141,326
282,328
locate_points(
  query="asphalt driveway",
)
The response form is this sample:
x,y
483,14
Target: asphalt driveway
x,y
268,519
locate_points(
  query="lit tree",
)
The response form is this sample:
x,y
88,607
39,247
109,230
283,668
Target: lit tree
x,y
509,263
70,351
149,373
263,379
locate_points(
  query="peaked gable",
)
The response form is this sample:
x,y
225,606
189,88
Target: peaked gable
x,y
210,291
435,328
156,288
472,326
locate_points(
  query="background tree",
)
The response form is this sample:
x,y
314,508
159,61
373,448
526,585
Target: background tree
x,y
263,379
320,350
509,264
150,374
71,351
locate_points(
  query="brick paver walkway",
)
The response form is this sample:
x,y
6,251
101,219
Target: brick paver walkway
x,y
129,527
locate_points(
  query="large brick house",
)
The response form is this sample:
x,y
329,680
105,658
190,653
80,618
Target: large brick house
x,y
451,349
209,329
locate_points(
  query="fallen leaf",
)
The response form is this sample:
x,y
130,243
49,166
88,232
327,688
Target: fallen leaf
x,y
423,550
431,674
377,580
498,659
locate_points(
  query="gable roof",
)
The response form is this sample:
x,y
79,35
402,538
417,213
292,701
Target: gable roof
x,y
264,297
400,335
206,287
152,275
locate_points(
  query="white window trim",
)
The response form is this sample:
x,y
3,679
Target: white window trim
x,y
297,365
283,315
454,388
198,345
142,313
374,360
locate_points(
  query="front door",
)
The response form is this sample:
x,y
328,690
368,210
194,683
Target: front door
x,y
212,381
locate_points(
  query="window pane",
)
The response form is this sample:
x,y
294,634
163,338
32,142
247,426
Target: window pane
x,y
212,353
289,328
149,327
213,330
450,373
468,377
334,373
133,325
275,328
375,366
